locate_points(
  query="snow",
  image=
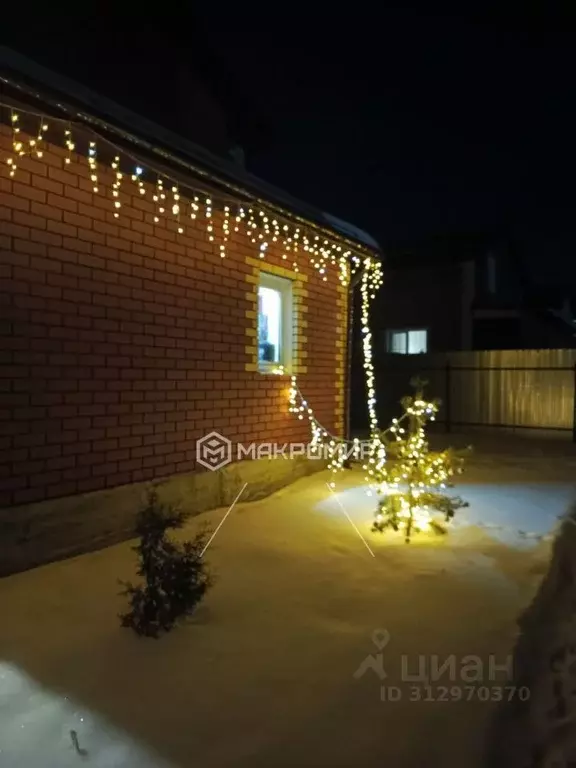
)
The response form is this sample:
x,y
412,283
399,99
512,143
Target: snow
x,y
350,230
264,674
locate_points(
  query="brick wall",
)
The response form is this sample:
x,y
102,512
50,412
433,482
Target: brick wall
x,y
124,341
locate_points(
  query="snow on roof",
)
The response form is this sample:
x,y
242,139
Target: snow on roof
x,y
350,230
223,168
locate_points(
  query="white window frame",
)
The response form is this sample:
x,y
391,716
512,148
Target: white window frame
x,y
284,286
406,331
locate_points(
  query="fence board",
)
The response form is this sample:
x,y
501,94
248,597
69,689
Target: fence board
x,y
516,388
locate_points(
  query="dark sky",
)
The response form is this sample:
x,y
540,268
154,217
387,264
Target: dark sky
x,y
410,123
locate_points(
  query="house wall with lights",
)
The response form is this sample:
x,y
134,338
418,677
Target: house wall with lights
x,y
132,328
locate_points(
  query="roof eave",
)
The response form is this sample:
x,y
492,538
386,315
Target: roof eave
x,y
83,104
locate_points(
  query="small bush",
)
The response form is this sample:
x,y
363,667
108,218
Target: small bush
x,y
175,575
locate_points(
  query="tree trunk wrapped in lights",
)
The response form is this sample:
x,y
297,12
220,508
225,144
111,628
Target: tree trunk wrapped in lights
x,y
410,479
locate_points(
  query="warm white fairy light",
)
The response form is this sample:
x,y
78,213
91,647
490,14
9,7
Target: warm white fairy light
x,y
158,197
225,230
116,185
16,143
70,146
335,449
370,282
269,233
285,241
240,216
265,230
176,203
366,295
42,136
176,207
137,177
408,487
93,164
275,231
209,224
36,143
343,272
251,225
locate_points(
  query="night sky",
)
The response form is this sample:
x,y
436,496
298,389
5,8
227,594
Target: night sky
x,y
414,125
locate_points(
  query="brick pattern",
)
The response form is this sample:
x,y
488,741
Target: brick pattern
x,y
123,341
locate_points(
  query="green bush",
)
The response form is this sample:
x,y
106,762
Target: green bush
x,y
175,575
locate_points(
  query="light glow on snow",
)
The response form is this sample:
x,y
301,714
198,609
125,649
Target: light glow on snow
x,y
36,728
339,502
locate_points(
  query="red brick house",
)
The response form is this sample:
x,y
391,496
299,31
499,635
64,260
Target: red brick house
x,y
151,294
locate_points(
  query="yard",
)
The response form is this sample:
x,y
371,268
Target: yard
x,y
265,673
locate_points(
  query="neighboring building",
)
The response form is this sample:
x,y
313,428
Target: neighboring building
x,y
152,294
474,300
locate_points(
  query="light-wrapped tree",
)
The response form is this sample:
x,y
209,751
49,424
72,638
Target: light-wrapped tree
x,y
410,480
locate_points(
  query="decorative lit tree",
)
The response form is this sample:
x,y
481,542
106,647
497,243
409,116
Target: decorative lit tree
x,y
410,478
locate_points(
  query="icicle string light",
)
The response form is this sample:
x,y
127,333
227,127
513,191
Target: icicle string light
x,y
116,185
70,146
225,230
136,177
93,163
158,197
34,148
16,144
209,223
176,208
265,228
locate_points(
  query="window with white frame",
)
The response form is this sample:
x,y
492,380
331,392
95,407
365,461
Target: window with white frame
x,y
408,342
275,327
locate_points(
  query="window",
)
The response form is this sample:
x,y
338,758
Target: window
x,y
408,342
274,322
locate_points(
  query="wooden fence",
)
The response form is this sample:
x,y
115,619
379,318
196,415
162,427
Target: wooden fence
x,y
516,389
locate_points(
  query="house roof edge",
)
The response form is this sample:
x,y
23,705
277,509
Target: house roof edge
x,y
43,84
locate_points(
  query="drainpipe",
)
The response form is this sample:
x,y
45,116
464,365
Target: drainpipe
x,y
348,369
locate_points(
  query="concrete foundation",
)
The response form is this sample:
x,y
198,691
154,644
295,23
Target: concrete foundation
x,y
33,534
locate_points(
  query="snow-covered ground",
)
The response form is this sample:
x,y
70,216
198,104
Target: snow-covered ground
x,y
265,673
